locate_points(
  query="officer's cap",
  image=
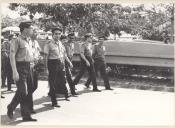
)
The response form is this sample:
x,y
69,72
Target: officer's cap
x,y
102,37
25,24
88,35
71,34
56,28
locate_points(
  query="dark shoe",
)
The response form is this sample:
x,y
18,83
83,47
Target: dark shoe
x,y
32,112
29,119
10,90
109,89
96,90
2,97
66,96
9,113
87,86
56,105
74,94
67,99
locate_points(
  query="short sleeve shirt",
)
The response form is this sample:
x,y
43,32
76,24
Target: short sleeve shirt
x,y
55,50
22,49
35,49
69,49
99,52
86,49
6,47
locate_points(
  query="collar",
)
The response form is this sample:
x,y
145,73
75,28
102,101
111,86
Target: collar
x,y
56,42
25,37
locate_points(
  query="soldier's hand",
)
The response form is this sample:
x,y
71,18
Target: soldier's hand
x,y
15,76
87,63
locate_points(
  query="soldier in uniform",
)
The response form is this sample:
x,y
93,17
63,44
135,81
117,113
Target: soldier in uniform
x,y
6,67
69,46
54,60
20,58
99,62
2,40
87,62
36,56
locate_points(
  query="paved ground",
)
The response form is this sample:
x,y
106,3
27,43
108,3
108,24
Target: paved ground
x,y
118,107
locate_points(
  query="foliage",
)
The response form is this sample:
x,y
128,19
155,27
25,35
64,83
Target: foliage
x,y
100,18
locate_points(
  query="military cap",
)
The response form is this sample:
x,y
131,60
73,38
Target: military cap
x,y
71,34
63,37
56,28
88,35
25,24
103,37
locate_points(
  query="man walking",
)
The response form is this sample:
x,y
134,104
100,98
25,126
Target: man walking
x,y
54,60
69,46
6,67
99,62
87,62
36,55
20,58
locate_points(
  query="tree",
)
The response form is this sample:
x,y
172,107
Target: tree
x,y
100,19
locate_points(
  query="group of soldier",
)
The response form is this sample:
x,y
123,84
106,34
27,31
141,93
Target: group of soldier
x,y
58,52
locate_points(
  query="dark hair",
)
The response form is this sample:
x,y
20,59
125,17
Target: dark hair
x,y
63,37
54,29
24,25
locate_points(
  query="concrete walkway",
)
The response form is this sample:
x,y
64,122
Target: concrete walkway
x,y
118,107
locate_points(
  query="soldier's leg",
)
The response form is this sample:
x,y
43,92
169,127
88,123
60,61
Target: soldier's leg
x,y
88,82
21,94
30,87
35,80
104,75
81,72
9,75
52,79
69,79
3,72
62,79
92,74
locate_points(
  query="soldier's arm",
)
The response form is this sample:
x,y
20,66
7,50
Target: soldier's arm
x,y
46,52
68,60
13,49
82,55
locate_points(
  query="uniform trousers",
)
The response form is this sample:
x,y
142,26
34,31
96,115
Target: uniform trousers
x,y
24,90
100,66
91,72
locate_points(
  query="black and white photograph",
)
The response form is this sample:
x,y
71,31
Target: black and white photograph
x,y
87,64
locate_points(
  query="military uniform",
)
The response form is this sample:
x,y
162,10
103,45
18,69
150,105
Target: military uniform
x,y
70,51
86,49
23,56
34,79
99,64
6,67
57,80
